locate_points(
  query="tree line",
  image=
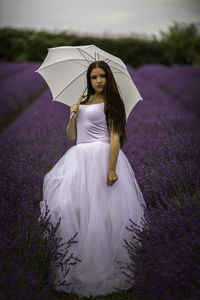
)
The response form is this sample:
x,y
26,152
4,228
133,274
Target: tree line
x,y
179,45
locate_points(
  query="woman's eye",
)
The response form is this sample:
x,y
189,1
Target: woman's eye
x,y
94,77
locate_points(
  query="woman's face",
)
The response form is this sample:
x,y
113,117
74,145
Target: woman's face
x,y
98,79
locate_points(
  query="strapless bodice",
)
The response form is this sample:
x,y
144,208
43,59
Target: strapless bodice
x,y
91,124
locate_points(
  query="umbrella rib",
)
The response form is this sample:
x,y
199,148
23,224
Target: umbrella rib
x,y
120,91
88,54
75,59
93,57
107,59
70,83
121,72
80,50
85,72
61,62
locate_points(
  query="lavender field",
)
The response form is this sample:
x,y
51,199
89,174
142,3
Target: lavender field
x,y
19,87
163,148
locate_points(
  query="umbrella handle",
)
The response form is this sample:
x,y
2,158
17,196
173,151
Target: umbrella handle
x,y
73,111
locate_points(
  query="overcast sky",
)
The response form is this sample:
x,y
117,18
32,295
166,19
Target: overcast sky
x,y
112,17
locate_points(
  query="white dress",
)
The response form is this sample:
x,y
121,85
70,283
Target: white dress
x,y
75,190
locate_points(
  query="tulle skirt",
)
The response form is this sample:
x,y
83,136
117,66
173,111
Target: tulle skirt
x,y
75,190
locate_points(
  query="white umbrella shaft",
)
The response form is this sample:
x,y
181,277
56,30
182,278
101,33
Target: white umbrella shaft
x,y
71,115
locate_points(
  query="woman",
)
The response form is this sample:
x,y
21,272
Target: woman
x,y
94,190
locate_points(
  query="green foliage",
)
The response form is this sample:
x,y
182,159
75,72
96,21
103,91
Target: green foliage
x,y
181,45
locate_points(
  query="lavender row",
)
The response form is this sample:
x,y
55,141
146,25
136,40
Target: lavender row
x,y
161,125
166,266
181,82
28,148
18,91
8,69
162,148
166,157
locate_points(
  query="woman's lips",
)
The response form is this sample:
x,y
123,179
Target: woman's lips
x,y
99,86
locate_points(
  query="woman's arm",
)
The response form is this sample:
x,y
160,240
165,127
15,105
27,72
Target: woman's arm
x,y
114,150
71,129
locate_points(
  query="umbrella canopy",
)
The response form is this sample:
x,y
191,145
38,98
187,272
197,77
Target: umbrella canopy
x,y
64,70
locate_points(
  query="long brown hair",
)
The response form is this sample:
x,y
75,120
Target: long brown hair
x,y
114,107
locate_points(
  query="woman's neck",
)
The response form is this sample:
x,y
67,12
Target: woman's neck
x,y
97,97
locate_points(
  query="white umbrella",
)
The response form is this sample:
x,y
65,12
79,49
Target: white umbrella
x,y
64,70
